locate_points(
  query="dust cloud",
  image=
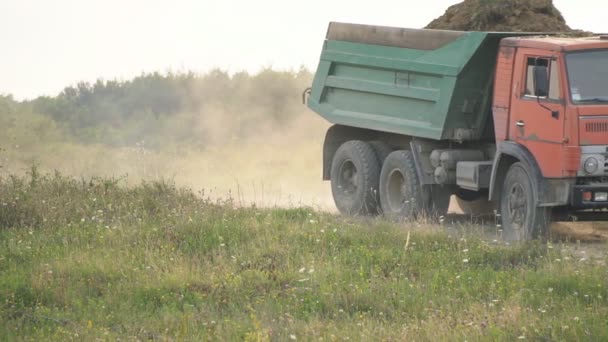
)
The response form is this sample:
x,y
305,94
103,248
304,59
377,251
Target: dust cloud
x,y
258,162
280,166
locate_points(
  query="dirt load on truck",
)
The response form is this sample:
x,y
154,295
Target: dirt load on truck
x,y
421,115
502,16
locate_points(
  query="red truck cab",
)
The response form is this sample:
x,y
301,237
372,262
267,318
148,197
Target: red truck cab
x,y
559,116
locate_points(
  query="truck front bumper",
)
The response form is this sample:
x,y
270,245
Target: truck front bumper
x,y
590,196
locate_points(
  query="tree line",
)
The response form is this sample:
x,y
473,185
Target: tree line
x,y
158,109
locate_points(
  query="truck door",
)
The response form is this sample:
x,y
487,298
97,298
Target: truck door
x,y
537,121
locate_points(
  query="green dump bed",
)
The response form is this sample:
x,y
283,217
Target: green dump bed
x,y
425,83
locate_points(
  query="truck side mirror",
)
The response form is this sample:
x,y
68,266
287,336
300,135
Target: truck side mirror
x,y
541,81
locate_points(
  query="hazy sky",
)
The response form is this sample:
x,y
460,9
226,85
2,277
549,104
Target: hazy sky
x,y
47,45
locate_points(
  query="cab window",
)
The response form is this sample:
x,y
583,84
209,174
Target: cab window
x,y
552,73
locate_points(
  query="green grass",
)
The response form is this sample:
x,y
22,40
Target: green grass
x,y
93,259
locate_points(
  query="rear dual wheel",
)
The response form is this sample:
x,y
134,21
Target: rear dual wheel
x,y
368,178
403,197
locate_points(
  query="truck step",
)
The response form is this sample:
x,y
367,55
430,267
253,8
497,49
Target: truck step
x,y
473,175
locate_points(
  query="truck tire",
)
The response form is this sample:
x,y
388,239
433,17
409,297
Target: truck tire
x,y
522,220
381,149
355,172
401,195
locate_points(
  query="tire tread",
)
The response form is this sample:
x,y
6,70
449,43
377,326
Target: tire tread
x,y
414,188
370,173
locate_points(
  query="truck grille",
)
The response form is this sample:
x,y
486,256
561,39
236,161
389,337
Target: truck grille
x,y
596,127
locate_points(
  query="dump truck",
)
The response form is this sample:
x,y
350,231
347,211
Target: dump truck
x,y
520,119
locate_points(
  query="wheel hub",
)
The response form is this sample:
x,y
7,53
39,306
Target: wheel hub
x,y
348,177
396,190
518,207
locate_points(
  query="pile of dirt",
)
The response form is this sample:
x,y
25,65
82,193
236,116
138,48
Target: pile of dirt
x,y
502,16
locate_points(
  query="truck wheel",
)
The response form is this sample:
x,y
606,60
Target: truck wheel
x,y
521,219
381,149
354,178
401,195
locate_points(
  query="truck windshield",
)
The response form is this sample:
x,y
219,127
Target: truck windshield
x,y
588,74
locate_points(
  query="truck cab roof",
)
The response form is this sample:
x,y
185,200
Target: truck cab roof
x,y
557,43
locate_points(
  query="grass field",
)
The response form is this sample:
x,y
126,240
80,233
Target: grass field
x,y
96,260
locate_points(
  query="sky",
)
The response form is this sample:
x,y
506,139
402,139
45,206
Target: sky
x,y
48,45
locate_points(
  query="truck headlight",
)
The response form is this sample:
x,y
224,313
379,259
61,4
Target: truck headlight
x,y
591,165
601,197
